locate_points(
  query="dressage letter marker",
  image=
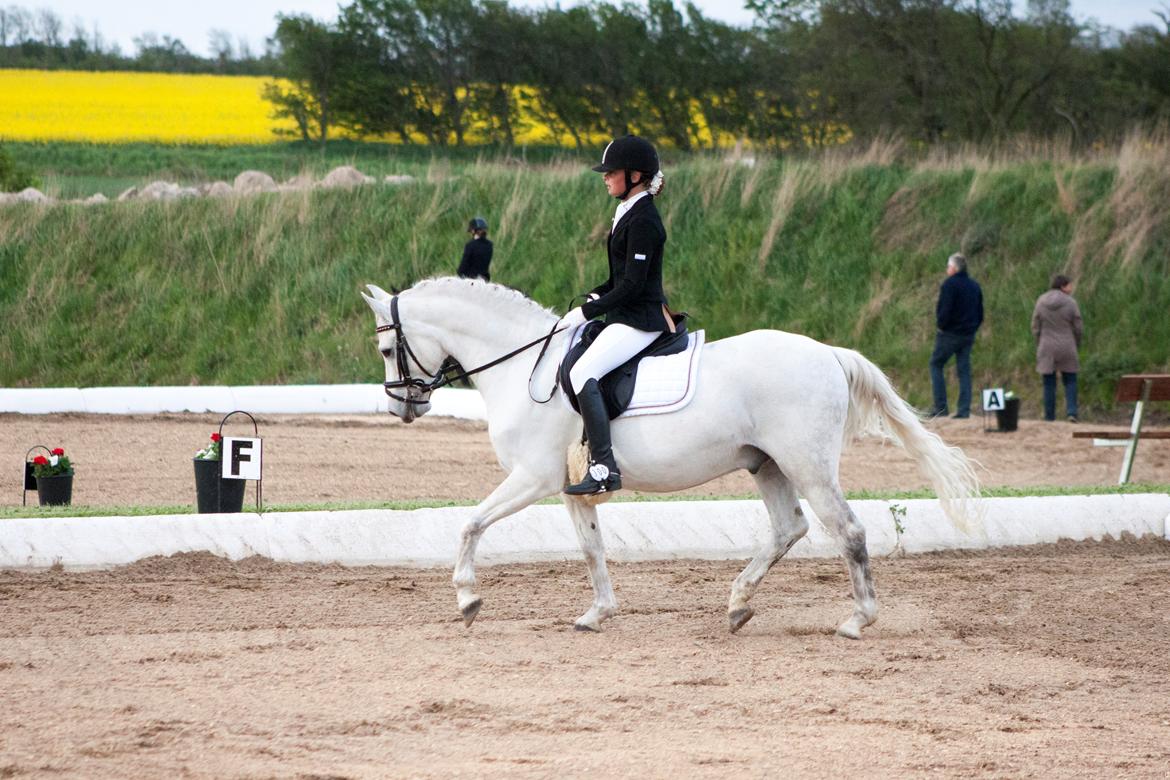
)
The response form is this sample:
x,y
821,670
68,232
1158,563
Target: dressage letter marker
x,y
242,457
993,399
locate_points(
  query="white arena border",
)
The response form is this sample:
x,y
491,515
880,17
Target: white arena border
x,y
257,399
633,531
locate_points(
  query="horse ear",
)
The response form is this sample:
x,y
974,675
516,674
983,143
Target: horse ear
x,y
380,308
379,293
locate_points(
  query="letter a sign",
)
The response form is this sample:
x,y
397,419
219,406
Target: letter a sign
x,y
241,457
993,399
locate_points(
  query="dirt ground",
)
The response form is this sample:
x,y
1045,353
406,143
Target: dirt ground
x,y
1048,661
1041,662
147,460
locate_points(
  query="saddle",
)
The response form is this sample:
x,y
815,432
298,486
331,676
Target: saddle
x,y
617,387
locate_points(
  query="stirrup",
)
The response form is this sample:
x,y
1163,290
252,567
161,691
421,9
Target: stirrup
x,y
598,479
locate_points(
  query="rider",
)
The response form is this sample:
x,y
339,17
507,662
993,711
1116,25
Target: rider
x,y
632,299
477,253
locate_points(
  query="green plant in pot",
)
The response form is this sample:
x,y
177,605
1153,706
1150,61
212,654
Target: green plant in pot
x,y
213,493
54,478
1007,419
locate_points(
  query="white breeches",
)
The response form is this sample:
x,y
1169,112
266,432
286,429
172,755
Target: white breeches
x,y
616,344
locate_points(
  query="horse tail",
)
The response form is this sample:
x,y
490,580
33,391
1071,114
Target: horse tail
x,y
875,408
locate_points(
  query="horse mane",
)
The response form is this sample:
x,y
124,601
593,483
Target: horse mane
x,y
500,295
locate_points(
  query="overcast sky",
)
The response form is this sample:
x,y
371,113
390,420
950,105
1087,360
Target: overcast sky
x,y
121,21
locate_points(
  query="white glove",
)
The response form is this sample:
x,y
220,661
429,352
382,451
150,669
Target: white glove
x,y
592,297
573,319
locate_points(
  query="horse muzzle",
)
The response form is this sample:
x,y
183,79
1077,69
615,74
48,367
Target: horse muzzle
x,y
410,406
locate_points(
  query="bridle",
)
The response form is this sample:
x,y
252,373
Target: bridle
x,y
418,390
403,352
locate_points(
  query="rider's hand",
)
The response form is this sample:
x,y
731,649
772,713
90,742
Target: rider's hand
x,y
571,320
591,297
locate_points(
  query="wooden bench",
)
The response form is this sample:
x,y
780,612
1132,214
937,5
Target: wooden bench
x,y
1139,389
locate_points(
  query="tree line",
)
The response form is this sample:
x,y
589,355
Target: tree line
x,y
42,40
807,73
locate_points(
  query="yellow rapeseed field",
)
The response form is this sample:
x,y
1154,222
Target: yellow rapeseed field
x,y
60,105
120,107
112,107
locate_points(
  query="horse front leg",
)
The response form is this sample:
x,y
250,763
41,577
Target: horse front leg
x,y
521,488
589,535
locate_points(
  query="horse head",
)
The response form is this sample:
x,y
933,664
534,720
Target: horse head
x,y
409,382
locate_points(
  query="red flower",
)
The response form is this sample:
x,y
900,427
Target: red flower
x,y
215,437
58,451
41,460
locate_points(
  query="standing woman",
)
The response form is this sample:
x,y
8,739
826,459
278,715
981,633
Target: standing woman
x,y
631,299
1056,324
477,253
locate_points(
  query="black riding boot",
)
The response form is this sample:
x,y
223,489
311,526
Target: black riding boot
x,y
603,475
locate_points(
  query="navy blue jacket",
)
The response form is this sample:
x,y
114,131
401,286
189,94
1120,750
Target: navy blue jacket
x,y
960,305
633,295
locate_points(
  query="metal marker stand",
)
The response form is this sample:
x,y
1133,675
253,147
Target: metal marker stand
x,y
256,432
30,481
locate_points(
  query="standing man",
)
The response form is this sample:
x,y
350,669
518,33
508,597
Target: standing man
x,y
958,315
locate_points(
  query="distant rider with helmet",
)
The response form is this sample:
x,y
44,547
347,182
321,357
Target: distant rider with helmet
x,y
631,299
477,253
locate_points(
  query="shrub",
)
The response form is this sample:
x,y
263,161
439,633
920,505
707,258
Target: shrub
x,y
13,177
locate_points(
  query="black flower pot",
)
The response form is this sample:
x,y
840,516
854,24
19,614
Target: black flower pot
x,y
213,493
55,491
1008,418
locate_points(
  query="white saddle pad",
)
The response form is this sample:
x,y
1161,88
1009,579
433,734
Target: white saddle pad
x,y
665,383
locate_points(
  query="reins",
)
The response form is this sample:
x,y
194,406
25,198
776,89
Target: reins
x,y
439,379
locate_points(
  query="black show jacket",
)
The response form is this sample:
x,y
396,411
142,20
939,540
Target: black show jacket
x,y
477,256
633,293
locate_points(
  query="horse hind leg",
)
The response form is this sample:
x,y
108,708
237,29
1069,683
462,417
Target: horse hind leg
x,y
833,510
788,526
584,515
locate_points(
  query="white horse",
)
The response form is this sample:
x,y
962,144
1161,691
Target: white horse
x,y
780,405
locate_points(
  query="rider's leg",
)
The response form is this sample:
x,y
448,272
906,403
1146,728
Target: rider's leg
x,y
603,475
612,347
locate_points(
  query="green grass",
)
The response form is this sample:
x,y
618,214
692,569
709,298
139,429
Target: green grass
x,y
846,250
341,506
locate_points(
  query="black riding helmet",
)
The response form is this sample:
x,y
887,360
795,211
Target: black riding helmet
x,y
630,153
477,223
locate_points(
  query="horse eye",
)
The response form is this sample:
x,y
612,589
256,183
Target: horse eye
x,y
388,353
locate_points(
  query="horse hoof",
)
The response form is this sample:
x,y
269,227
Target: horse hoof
x,y
739,617
587,627
470,611
849,630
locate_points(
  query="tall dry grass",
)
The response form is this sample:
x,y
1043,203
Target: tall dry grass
x,y
847,247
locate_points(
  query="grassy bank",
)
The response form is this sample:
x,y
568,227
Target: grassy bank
x,y
848,249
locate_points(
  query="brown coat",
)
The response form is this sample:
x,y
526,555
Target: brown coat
x,y
1056,324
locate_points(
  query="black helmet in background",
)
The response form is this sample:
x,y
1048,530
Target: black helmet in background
x,y
630,153
477,223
